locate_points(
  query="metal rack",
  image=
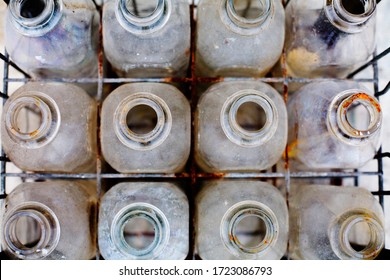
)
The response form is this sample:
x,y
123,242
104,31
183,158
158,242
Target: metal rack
x,y
192,175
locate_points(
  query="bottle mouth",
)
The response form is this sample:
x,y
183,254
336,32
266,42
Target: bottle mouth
x,y
143,17
31,231
33,104
355,116
142,121
35,17
249,229
140,231
340,235
248,118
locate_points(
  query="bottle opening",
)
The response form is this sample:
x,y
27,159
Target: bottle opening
x,y
250,232
251,117
358,116
26,232
139,233
31,8
142,8
28,119
141,119
359,236
250,9
356,7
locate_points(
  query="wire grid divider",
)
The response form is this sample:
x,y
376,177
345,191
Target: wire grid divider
x,y
192,175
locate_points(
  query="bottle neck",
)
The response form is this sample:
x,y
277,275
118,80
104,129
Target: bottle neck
x,y
349,16
153,17
140,102
35,18
134,225
235,239
350,125
29,219
40,105
258,105
341,230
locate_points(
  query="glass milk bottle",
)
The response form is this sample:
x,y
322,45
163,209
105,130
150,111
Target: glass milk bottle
x,y
148,38
238,37
240,219
333,125
240,126
62,137
323,220
329,38
50,220
144,221
53,38
146,127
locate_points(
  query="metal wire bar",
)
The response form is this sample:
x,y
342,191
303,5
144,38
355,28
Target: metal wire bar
x,y
384,91
371,62
7,60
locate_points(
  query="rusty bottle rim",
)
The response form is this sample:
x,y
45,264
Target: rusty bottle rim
x,y
346,20
39,24
341,228
143,25
229,224
49,123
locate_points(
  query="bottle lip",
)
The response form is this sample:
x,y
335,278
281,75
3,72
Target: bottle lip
x,y
338,119
49,226
39,25
345,20
242,25
50,119
234,215
152,139
154,216
238,135
341,227
143,25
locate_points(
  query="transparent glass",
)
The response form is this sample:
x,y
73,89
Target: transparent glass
x,y
333,125
329,38
146,127
148,38
238,37
144,221
240,126
323,219
53,38
63,136
50,220
240,219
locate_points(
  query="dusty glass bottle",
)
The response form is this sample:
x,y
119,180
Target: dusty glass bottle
x,y
148,38
241,219
238,37
144,221
329,38
146,127
333,125
63,137
324,218
240,126
53,38
50,220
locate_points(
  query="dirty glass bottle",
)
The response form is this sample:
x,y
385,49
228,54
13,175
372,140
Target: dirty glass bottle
x,y
329,38
148,38
146,127
240,126
144,221
53,38
50,127
238,37
324,220
333,125
240,219
50,220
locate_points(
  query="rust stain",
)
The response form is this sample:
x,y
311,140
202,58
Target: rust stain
x,y
34,133
363,96
211,175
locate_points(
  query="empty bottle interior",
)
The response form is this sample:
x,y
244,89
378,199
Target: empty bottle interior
x,y
251,116
355,7
141,119
31,8
249,9
139,233
250,231
141,8
358,116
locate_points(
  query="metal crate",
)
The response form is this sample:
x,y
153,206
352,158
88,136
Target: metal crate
x,y
192,176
